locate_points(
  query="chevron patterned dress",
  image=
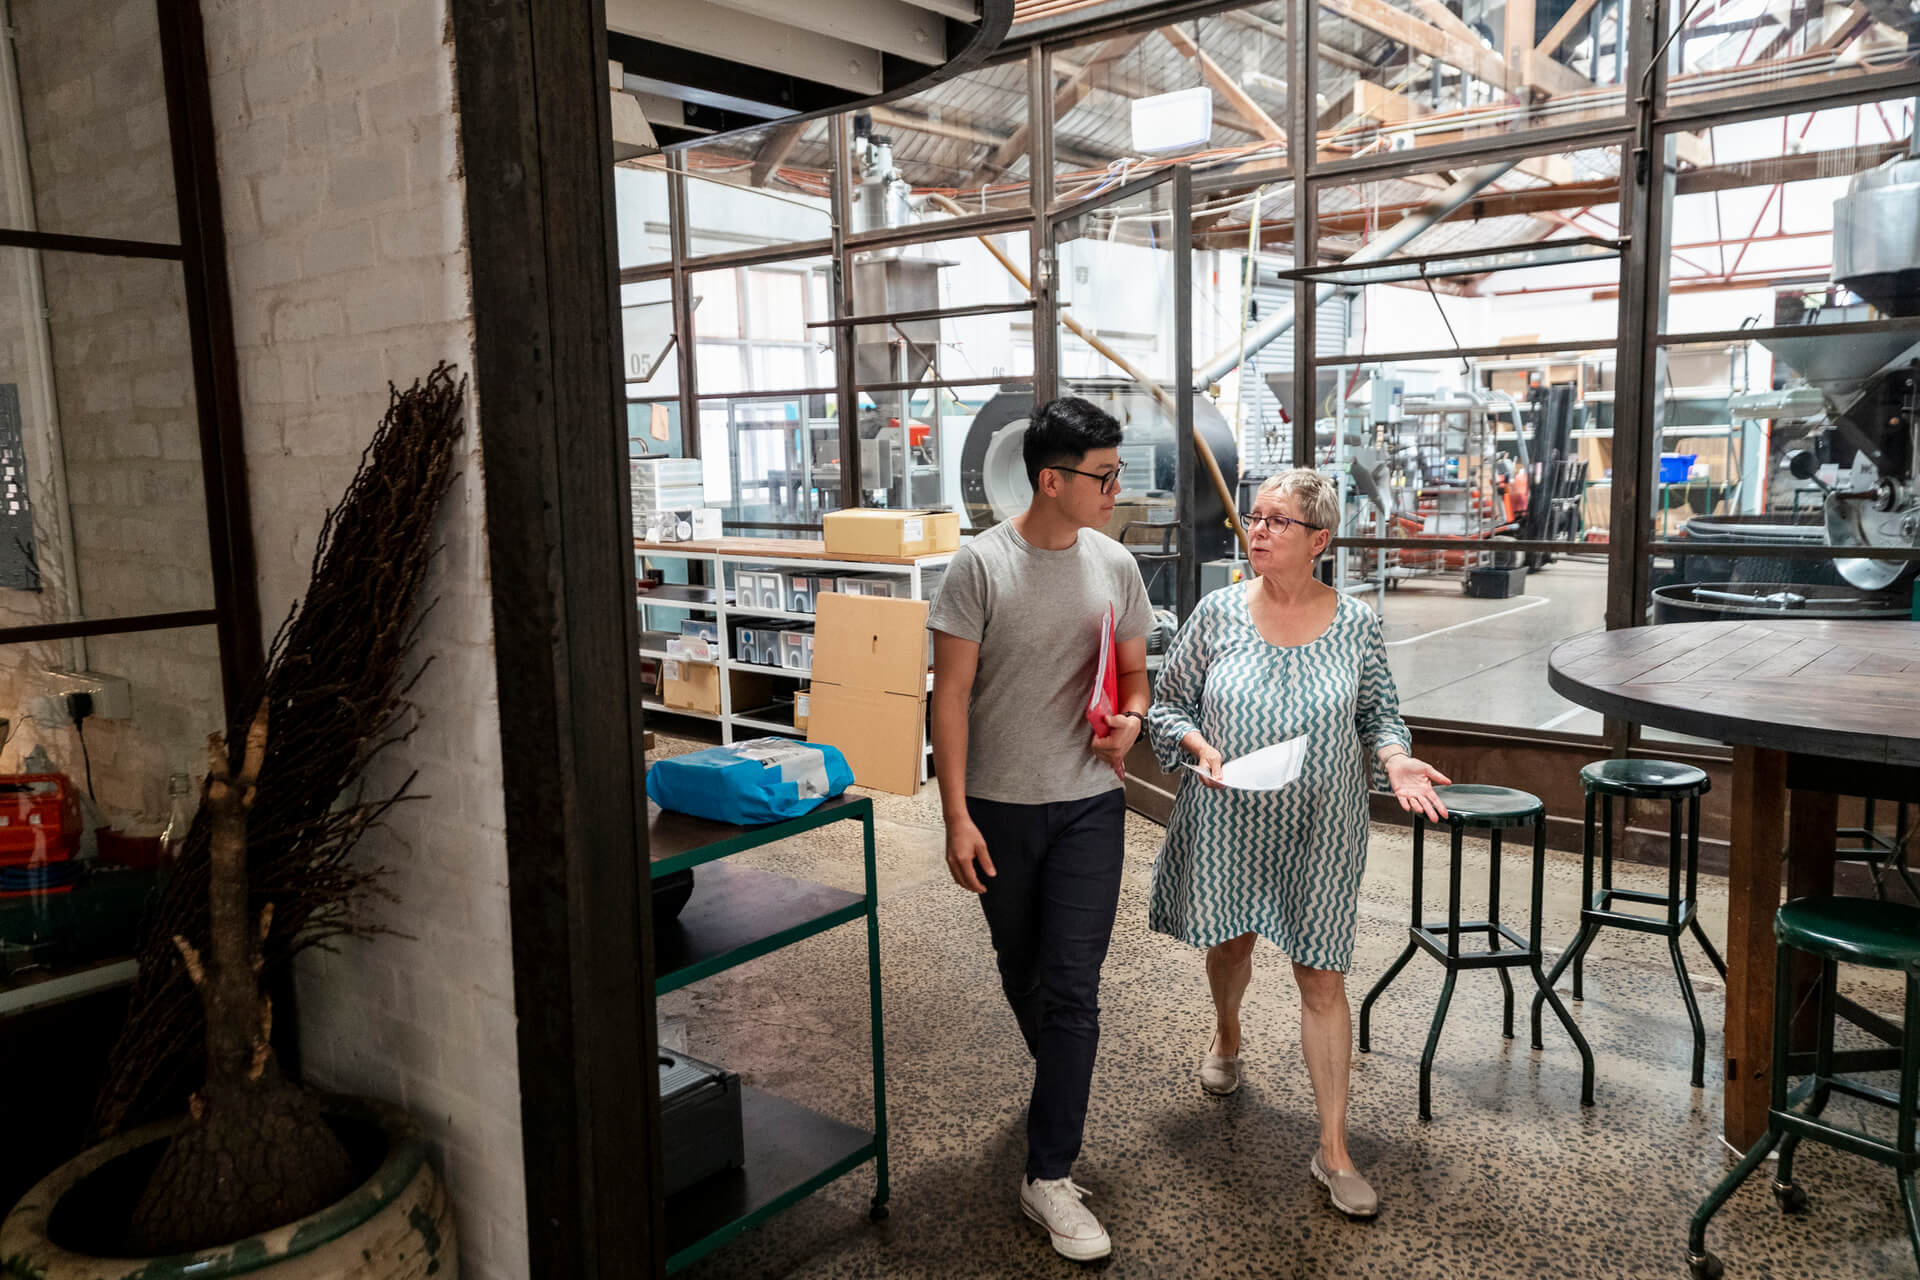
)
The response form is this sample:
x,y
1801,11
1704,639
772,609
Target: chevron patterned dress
x,y
1284,864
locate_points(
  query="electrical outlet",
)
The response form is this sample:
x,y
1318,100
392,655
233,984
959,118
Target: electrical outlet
x,y
112,696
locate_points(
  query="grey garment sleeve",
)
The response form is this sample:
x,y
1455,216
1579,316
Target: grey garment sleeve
x,y
1134,614
960,609
1177,694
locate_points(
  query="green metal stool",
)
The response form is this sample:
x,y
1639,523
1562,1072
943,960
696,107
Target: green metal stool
x,y
1883,935
1494,808
1681,785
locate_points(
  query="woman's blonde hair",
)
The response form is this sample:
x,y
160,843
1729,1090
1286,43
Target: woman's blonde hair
x,y
1319,499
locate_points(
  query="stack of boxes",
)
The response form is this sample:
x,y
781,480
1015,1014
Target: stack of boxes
x,y
667,495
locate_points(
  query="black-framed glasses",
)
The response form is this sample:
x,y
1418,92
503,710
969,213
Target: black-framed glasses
x,y
1109,480
1279,524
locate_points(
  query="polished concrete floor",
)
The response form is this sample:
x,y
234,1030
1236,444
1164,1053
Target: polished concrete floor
x,y
1455,657
1511,1178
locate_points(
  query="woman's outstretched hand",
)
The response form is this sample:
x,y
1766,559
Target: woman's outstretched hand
x,y
1207,758
1413,783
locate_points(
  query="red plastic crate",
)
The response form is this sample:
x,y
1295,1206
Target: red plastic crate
x,y
39,818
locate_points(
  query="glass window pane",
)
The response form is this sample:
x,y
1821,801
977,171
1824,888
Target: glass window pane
x,y
1534,202
99,155
958,148
771,458
716,303
1516,447
1243,325
641,213
99,441
1476,660
769,346
165,698
758,188
650,349
777,304
1749,46
1205,92
1416,73
1793,219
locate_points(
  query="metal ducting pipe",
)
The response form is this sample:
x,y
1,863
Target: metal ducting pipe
x,y
1469,185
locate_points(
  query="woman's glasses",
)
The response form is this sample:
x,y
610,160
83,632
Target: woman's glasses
x,y
1279,524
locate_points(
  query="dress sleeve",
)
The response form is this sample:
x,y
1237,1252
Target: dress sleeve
x,y
1377,706
1178,692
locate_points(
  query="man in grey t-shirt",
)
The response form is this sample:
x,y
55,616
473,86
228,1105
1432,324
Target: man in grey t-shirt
x,y
1034,808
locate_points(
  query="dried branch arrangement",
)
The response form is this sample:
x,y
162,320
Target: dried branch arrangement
x,y
335,693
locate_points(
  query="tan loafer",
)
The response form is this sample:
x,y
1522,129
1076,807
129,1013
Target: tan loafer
x,y
1349,1191
1219,1076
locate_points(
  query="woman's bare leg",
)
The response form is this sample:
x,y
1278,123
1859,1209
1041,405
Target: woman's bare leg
x,y
1229,970
1326,1037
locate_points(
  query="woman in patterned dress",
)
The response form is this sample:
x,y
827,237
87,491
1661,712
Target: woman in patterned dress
x,y
1279,657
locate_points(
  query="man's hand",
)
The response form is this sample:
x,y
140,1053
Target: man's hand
x,y
967,857
1122,733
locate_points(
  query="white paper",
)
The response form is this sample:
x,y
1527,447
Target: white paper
x,y
1268,769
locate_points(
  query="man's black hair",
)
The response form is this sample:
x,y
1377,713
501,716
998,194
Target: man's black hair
x,y
1063,432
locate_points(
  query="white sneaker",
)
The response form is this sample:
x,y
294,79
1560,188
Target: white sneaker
x,y
1055,1205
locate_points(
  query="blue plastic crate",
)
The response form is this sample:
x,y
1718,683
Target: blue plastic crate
x,y
1675,466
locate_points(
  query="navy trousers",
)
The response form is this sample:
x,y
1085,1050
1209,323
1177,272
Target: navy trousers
x,y
1050,910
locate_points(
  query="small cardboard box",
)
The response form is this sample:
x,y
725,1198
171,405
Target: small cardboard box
x,y
695,686
869,691
870,531
801,708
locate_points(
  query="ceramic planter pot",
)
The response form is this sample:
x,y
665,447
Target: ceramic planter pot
x,y
396,1225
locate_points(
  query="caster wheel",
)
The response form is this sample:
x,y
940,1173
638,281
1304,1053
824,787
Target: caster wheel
x,y
1791,1197
1705,1267
877,1214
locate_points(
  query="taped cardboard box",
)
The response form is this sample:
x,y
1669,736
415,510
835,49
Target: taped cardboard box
x,y
869,689
695,686
869,531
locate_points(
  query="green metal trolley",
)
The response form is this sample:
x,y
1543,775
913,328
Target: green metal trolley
x,y
739,914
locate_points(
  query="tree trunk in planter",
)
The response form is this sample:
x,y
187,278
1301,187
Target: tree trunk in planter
x,y
258,1153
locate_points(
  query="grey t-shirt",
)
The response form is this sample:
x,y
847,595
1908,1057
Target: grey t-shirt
x,y
1036,616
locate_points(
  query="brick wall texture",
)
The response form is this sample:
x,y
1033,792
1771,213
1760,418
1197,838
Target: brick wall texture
x,y
340,182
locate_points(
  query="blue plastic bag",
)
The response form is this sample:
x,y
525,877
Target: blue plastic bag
x,y
750,783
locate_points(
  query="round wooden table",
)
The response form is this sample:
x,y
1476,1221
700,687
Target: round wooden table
x,y
1821,709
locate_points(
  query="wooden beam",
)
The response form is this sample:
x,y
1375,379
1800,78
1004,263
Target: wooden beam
x,y
1225,85
1517,44
1421,37
1563,28
773,152
1850,29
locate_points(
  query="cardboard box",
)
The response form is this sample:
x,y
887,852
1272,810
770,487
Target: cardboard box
x,y
869,691
801,708
870,531
695,686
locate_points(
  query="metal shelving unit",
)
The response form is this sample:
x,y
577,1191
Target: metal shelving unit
x,y
715,597
737,914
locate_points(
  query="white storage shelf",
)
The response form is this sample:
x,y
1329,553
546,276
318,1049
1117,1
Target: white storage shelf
x,y
720,564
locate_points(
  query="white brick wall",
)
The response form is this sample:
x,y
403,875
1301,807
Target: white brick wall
x,y
339,175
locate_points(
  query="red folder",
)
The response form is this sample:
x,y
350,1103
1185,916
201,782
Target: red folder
x,y
1106,681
